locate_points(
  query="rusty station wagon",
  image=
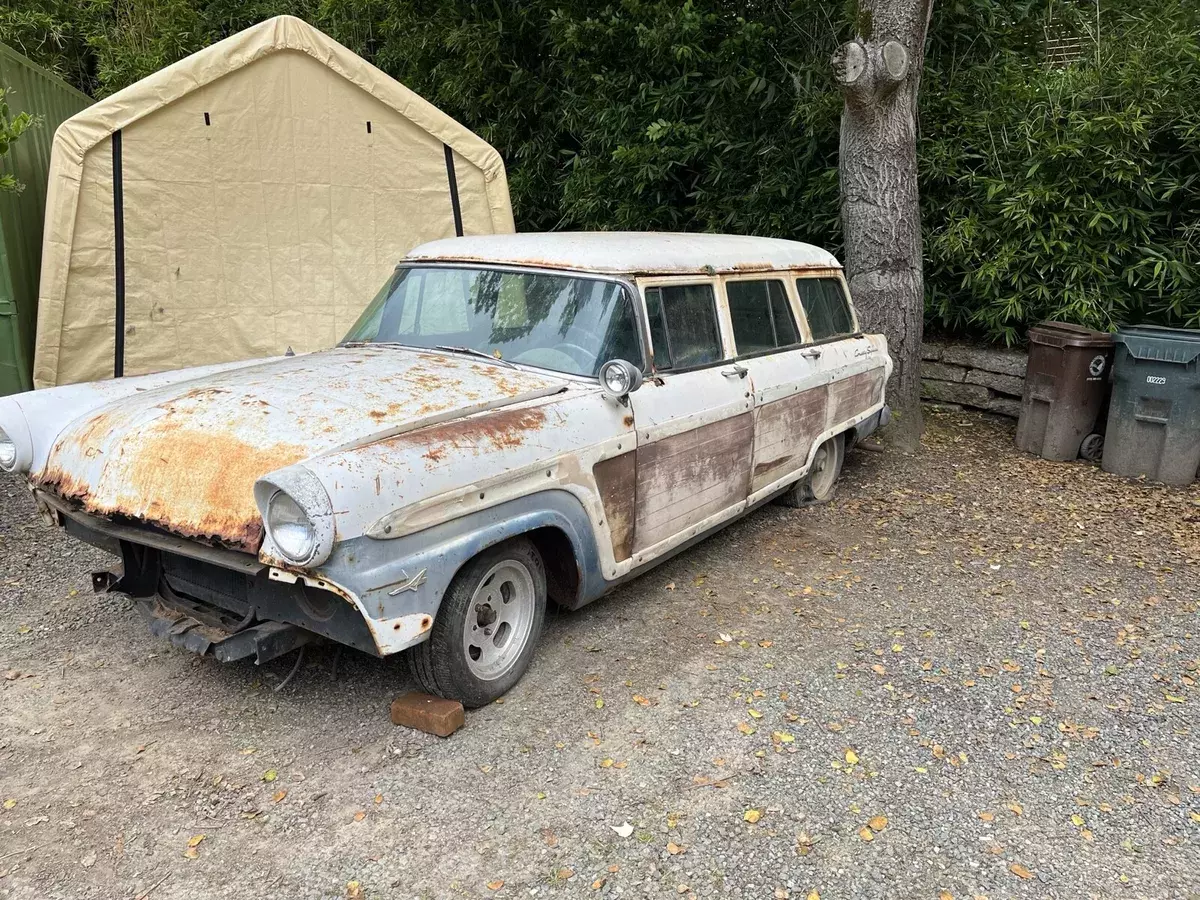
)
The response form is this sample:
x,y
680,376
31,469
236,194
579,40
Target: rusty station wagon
x,y
514,418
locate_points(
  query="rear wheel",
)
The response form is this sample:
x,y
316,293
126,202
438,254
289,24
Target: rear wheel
x,y
820,484
487,628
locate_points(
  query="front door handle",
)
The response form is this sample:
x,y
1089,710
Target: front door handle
x,y
812,353
736,372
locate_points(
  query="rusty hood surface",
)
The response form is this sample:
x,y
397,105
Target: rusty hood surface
x,y
185,457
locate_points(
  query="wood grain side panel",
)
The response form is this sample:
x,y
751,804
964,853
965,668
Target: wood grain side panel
x,y
616,479
853,395
783,434
685,478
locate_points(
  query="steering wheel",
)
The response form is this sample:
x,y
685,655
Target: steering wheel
x,y
585,359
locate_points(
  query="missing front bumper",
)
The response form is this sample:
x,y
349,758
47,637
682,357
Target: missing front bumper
x,y
264,641
228,614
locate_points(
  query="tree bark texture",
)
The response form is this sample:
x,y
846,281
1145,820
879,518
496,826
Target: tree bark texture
x,y
879,73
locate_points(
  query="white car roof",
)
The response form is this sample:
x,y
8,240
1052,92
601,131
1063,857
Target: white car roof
x,y
630,252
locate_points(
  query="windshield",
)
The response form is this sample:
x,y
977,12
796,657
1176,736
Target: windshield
x,y
561,322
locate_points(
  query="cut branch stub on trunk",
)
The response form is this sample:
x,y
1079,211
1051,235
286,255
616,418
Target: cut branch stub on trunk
x,y
870,71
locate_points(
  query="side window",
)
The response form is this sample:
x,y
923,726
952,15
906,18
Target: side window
x,y
761,317
683,326
826,307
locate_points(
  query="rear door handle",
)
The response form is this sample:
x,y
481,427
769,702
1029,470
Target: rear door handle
x,y
736,372
812,353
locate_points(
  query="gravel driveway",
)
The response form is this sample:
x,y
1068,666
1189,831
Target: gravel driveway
x,y
973,675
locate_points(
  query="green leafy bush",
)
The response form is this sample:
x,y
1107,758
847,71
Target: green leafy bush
x,y
1047,193
12,126
1067,193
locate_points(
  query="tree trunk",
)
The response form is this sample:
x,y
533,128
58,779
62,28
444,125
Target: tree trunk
x,y
879,73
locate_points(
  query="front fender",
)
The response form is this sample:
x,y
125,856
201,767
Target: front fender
x,y
395,580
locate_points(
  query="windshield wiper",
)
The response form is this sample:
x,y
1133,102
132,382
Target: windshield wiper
x,y
471,351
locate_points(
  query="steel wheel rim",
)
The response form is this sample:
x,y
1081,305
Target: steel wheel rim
x,y
499,620
824,469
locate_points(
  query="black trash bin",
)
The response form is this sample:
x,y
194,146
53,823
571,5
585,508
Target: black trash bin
x,y
1154,420
1066,382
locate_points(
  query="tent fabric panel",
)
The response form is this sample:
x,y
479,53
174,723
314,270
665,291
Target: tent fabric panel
x,y
261,211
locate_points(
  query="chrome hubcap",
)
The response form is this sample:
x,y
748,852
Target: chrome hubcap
x,y
499,620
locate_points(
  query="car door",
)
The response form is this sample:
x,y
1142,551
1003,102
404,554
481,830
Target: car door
x,y
854,367
694,420
788,380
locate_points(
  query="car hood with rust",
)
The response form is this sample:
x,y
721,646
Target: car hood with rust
x,y
184,457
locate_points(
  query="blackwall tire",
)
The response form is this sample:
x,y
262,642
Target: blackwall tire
x,y
487,628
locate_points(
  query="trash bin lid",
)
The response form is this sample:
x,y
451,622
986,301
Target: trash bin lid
x,y
1064,334
1156,342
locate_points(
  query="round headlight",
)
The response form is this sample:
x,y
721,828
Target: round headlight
x,y
8,452
619,377
616,380
290,528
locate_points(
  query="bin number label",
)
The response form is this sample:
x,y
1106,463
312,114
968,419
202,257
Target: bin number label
x,y
1155,379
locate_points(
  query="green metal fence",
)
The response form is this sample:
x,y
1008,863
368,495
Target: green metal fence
x,y
35,91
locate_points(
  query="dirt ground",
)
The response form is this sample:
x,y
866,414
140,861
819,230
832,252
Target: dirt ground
x,y
973,675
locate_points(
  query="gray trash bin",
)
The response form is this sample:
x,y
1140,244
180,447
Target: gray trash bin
x,y
1154,419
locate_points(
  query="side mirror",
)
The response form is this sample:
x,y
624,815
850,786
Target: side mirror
x,y
619,378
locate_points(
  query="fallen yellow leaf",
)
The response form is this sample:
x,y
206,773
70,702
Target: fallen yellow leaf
x,y
673,848
279,795
1020,871
877,823
495,885
752,815
378,799
606,763
851,756
745,728
1077,820
866,834
755,714
195,841
360,815
987,816
1014,807
270,775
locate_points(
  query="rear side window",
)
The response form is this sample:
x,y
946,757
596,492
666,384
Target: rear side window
x,y
762,319
825,305
683,326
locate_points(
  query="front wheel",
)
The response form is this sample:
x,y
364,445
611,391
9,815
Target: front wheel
x,y
819,485
487,628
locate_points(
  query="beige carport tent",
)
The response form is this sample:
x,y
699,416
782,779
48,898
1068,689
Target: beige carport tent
x,y
249,198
